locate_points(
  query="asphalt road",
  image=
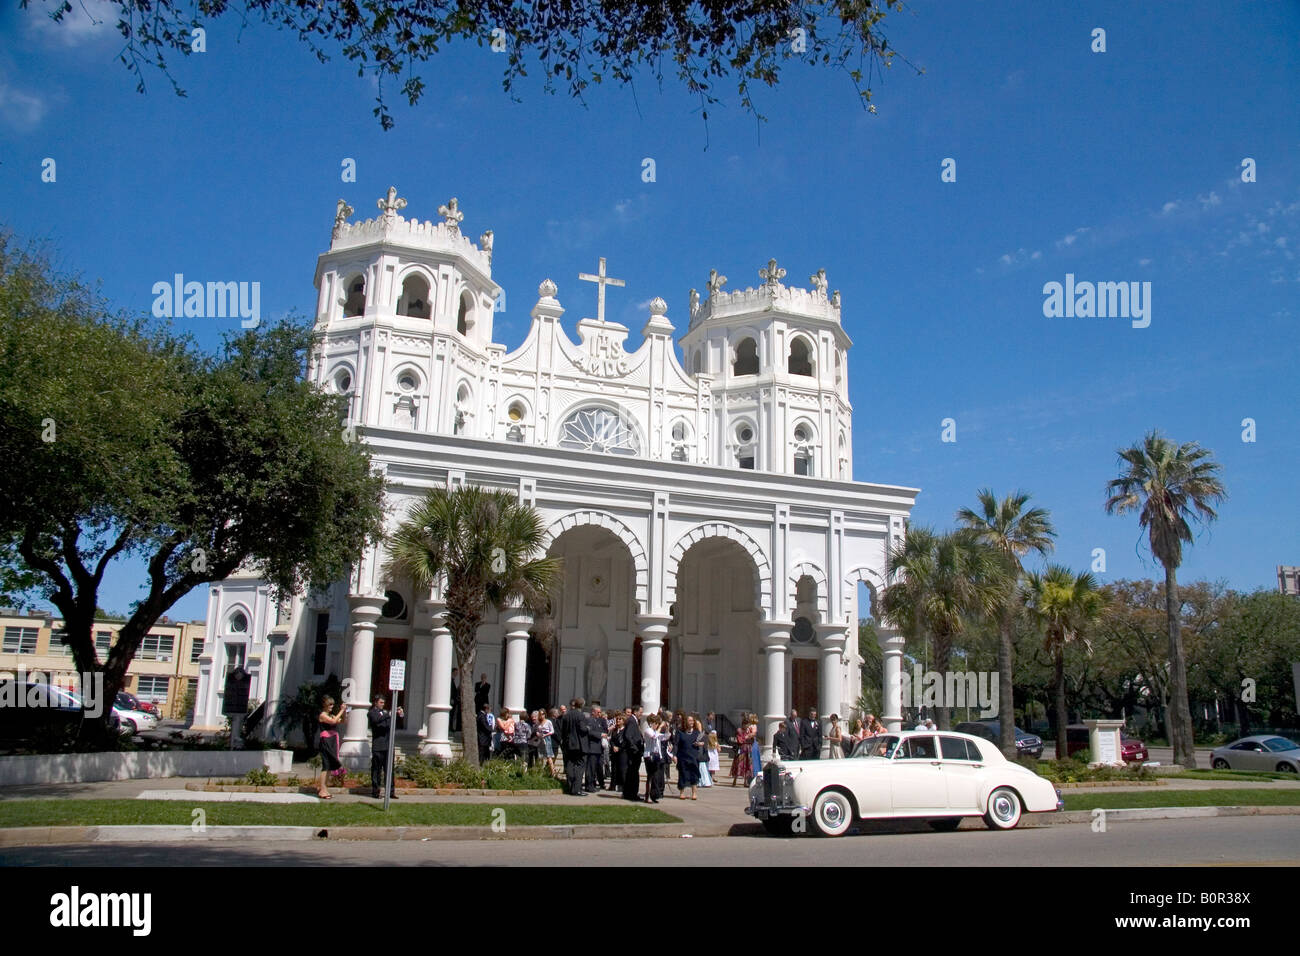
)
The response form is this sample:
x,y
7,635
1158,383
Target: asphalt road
x,y
1198,842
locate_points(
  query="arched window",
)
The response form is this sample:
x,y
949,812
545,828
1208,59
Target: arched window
x,y
355,301
343,380
237,623
599,429
745,443
408,381
800,358
803,450
839,370
803,632
844,457
463,315
697,363
414,300
746,358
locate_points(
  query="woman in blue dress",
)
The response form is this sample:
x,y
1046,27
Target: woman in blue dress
x,y
688,743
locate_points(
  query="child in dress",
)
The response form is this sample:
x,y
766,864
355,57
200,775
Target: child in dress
x,y
713,754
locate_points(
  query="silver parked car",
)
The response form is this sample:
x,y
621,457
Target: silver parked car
x,y
1261,752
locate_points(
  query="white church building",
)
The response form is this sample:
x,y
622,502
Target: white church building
x,y
717,553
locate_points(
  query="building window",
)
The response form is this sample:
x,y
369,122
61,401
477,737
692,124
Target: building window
x,y
394,608
800,358
322,645
408,381
698,363
746,358
196,650
343,381
802,632
157,647
515,434
355,303
462,315
414,300
599,429
20,640
152,689
802,464
746,461
237,623
102,641
236,655
59,639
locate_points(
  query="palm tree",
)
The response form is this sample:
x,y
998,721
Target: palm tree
x,y
1013,532
480,544
1169,485
938,582
1065,605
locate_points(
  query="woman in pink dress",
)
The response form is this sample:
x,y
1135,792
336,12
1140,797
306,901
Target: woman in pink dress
x,y
740,767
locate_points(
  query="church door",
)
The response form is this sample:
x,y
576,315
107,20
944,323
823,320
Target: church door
x,y
387,650
537,679
803,685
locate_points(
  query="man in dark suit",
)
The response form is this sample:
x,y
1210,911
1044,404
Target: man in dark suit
x,y
593,748
786,742
633,747
486,725
381,722
482,691
810,740
795,727
572,731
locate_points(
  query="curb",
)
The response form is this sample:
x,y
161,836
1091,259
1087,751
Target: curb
x,y
49,836
1167,813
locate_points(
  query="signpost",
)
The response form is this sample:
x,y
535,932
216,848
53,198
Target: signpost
x,y
396,684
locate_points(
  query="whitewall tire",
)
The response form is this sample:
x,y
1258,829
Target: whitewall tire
x,y
1004,809
832,813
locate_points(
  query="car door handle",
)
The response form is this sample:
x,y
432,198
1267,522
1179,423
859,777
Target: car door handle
x,y
978,766
934,763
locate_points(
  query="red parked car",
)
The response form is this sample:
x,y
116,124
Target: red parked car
x,y
1132,750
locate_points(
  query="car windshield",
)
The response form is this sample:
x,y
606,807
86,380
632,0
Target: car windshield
x,y
882,746
1279,744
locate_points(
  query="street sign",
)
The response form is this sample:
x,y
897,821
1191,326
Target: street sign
x,y
397,675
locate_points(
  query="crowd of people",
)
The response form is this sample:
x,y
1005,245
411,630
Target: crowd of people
x,y
611,750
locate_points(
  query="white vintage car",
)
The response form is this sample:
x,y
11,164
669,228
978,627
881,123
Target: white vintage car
x,y
939,775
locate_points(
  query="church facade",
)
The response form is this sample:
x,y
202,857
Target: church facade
x,y
717,553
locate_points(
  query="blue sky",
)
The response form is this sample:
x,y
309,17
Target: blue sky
x,y
1115,166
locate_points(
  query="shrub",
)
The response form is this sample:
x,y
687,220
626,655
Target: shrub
x,y
493,775
260,777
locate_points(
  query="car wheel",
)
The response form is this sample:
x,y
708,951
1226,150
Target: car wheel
x,y
832,813
1004,809
946,824
1220,764
128,728
1285,768
779,826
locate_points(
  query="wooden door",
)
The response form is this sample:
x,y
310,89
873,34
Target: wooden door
x,y
387,650
803,685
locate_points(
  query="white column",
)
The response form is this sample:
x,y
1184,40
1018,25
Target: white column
x,y
437,716
364,613
652,629
832,639
515,622
892,693
776,643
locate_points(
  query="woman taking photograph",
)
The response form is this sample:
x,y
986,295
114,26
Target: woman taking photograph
x,y
327,743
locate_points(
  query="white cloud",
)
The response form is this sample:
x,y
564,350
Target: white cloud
x,y
1144,262
19,108
89,21
1169,207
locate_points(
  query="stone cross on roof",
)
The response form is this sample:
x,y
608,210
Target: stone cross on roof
x,y
819,282
772,274
601,281
716,282
392,203
451,214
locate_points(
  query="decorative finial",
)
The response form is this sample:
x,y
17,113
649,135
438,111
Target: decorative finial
x,y
716,282
341,214
835,298
658,306
485,243
391,204
547,289
819,282
695,302
772,274
451,214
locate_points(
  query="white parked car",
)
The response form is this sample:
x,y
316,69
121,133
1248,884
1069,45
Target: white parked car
x,y
132,722
939,775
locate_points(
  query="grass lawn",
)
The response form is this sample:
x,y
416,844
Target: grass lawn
x,y
34,813
1182,798
1254,776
